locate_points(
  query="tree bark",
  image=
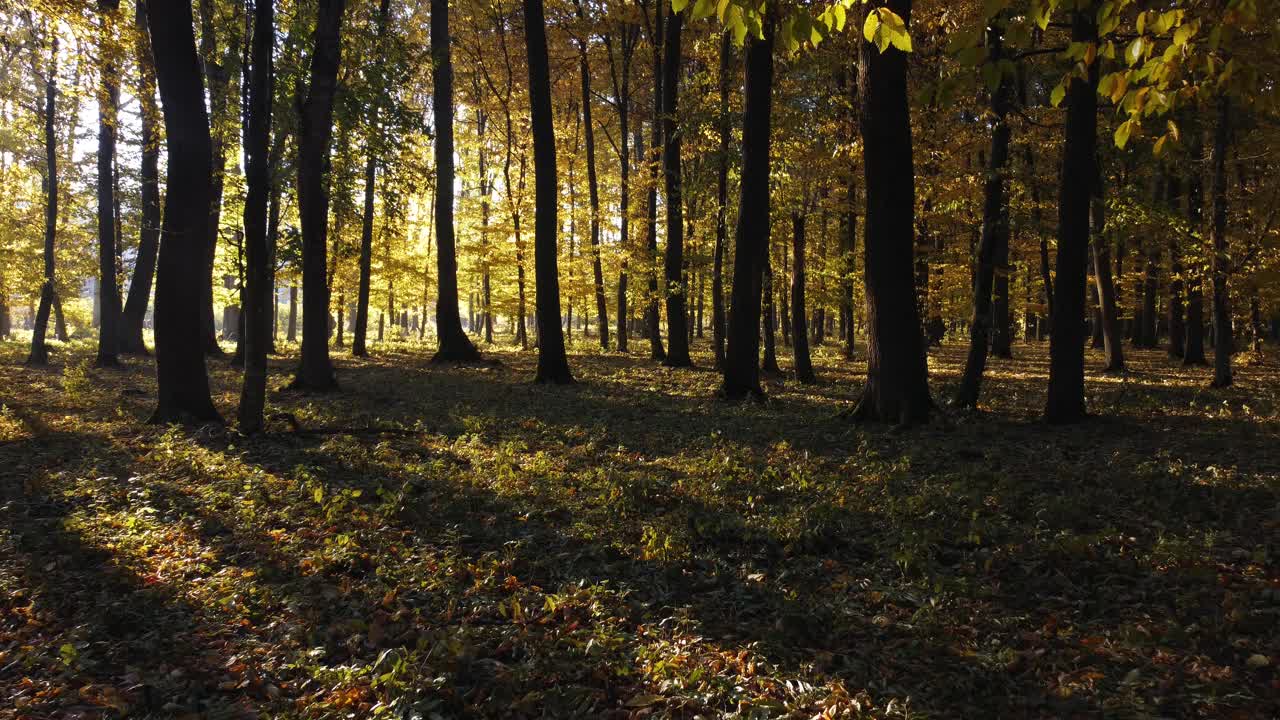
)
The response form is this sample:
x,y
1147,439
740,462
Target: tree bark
x,y
1177,326
897,388
358,346
257,323
315,372
217,78
181,377
593,189
48,290
144,269
676,287
1112,340
1193,354
553,364
454,346
1223,332
108,100
1066,347
994,244
751,235
799,330
722,209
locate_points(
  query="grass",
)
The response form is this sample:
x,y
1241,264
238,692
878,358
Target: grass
x,y
629,547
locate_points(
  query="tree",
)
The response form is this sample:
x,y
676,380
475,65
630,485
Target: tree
x,y
1223,332
751,235
108,100
358,348
675,289
315,372
1112,344
653,320
48,289
182,380
897,387
553,364
258,291
144,268
593,186
455,346
1079,160
799,329
722,207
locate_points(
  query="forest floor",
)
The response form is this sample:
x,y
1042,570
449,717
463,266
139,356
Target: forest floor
x,y
457,542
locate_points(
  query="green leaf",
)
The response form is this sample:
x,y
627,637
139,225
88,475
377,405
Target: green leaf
x,y
1123,132
679,5
703,9
1059,93
871,27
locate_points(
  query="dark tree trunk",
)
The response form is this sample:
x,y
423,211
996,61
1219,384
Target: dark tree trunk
x,y
315,372
553,364
653,313
292,333
677,289
1066,347
624,200
799,331
454,346
253,394
593,189
109,99
216,77
1177,328
751,236
48,290
358,347
144,269
181,377
1194,351
722,209
1223,332
1112,345
769,364
995,236
897,388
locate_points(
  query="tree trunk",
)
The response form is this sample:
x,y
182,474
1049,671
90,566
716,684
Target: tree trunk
x,y
1193,354
48,290
1112,345
897,388
1079,171
454,346
799,332
676,288
292,333
624,190
1177,327
751,236
181,377
653,314
1223,332
995,236
144,269
315,372
217,79
593,189
769,364
358,341
108,100
722,209
553,364
253,394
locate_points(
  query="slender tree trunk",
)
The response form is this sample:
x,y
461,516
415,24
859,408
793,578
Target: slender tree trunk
x,y
624,200
48,290
358,347
1066,347
108,100
455,346
553,364
722,208
135,307
593,188
181,377
253,395
653,314
677,289
769,364
1177,327
751,236
1112,340
1194,351
995,235
799,332
1223,332
315,372
897,388
217,78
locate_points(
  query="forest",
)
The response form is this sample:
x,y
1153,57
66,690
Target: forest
x,y
639,359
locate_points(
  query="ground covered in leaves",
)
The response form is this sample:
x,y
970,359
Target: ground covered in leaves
x,y
457,542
